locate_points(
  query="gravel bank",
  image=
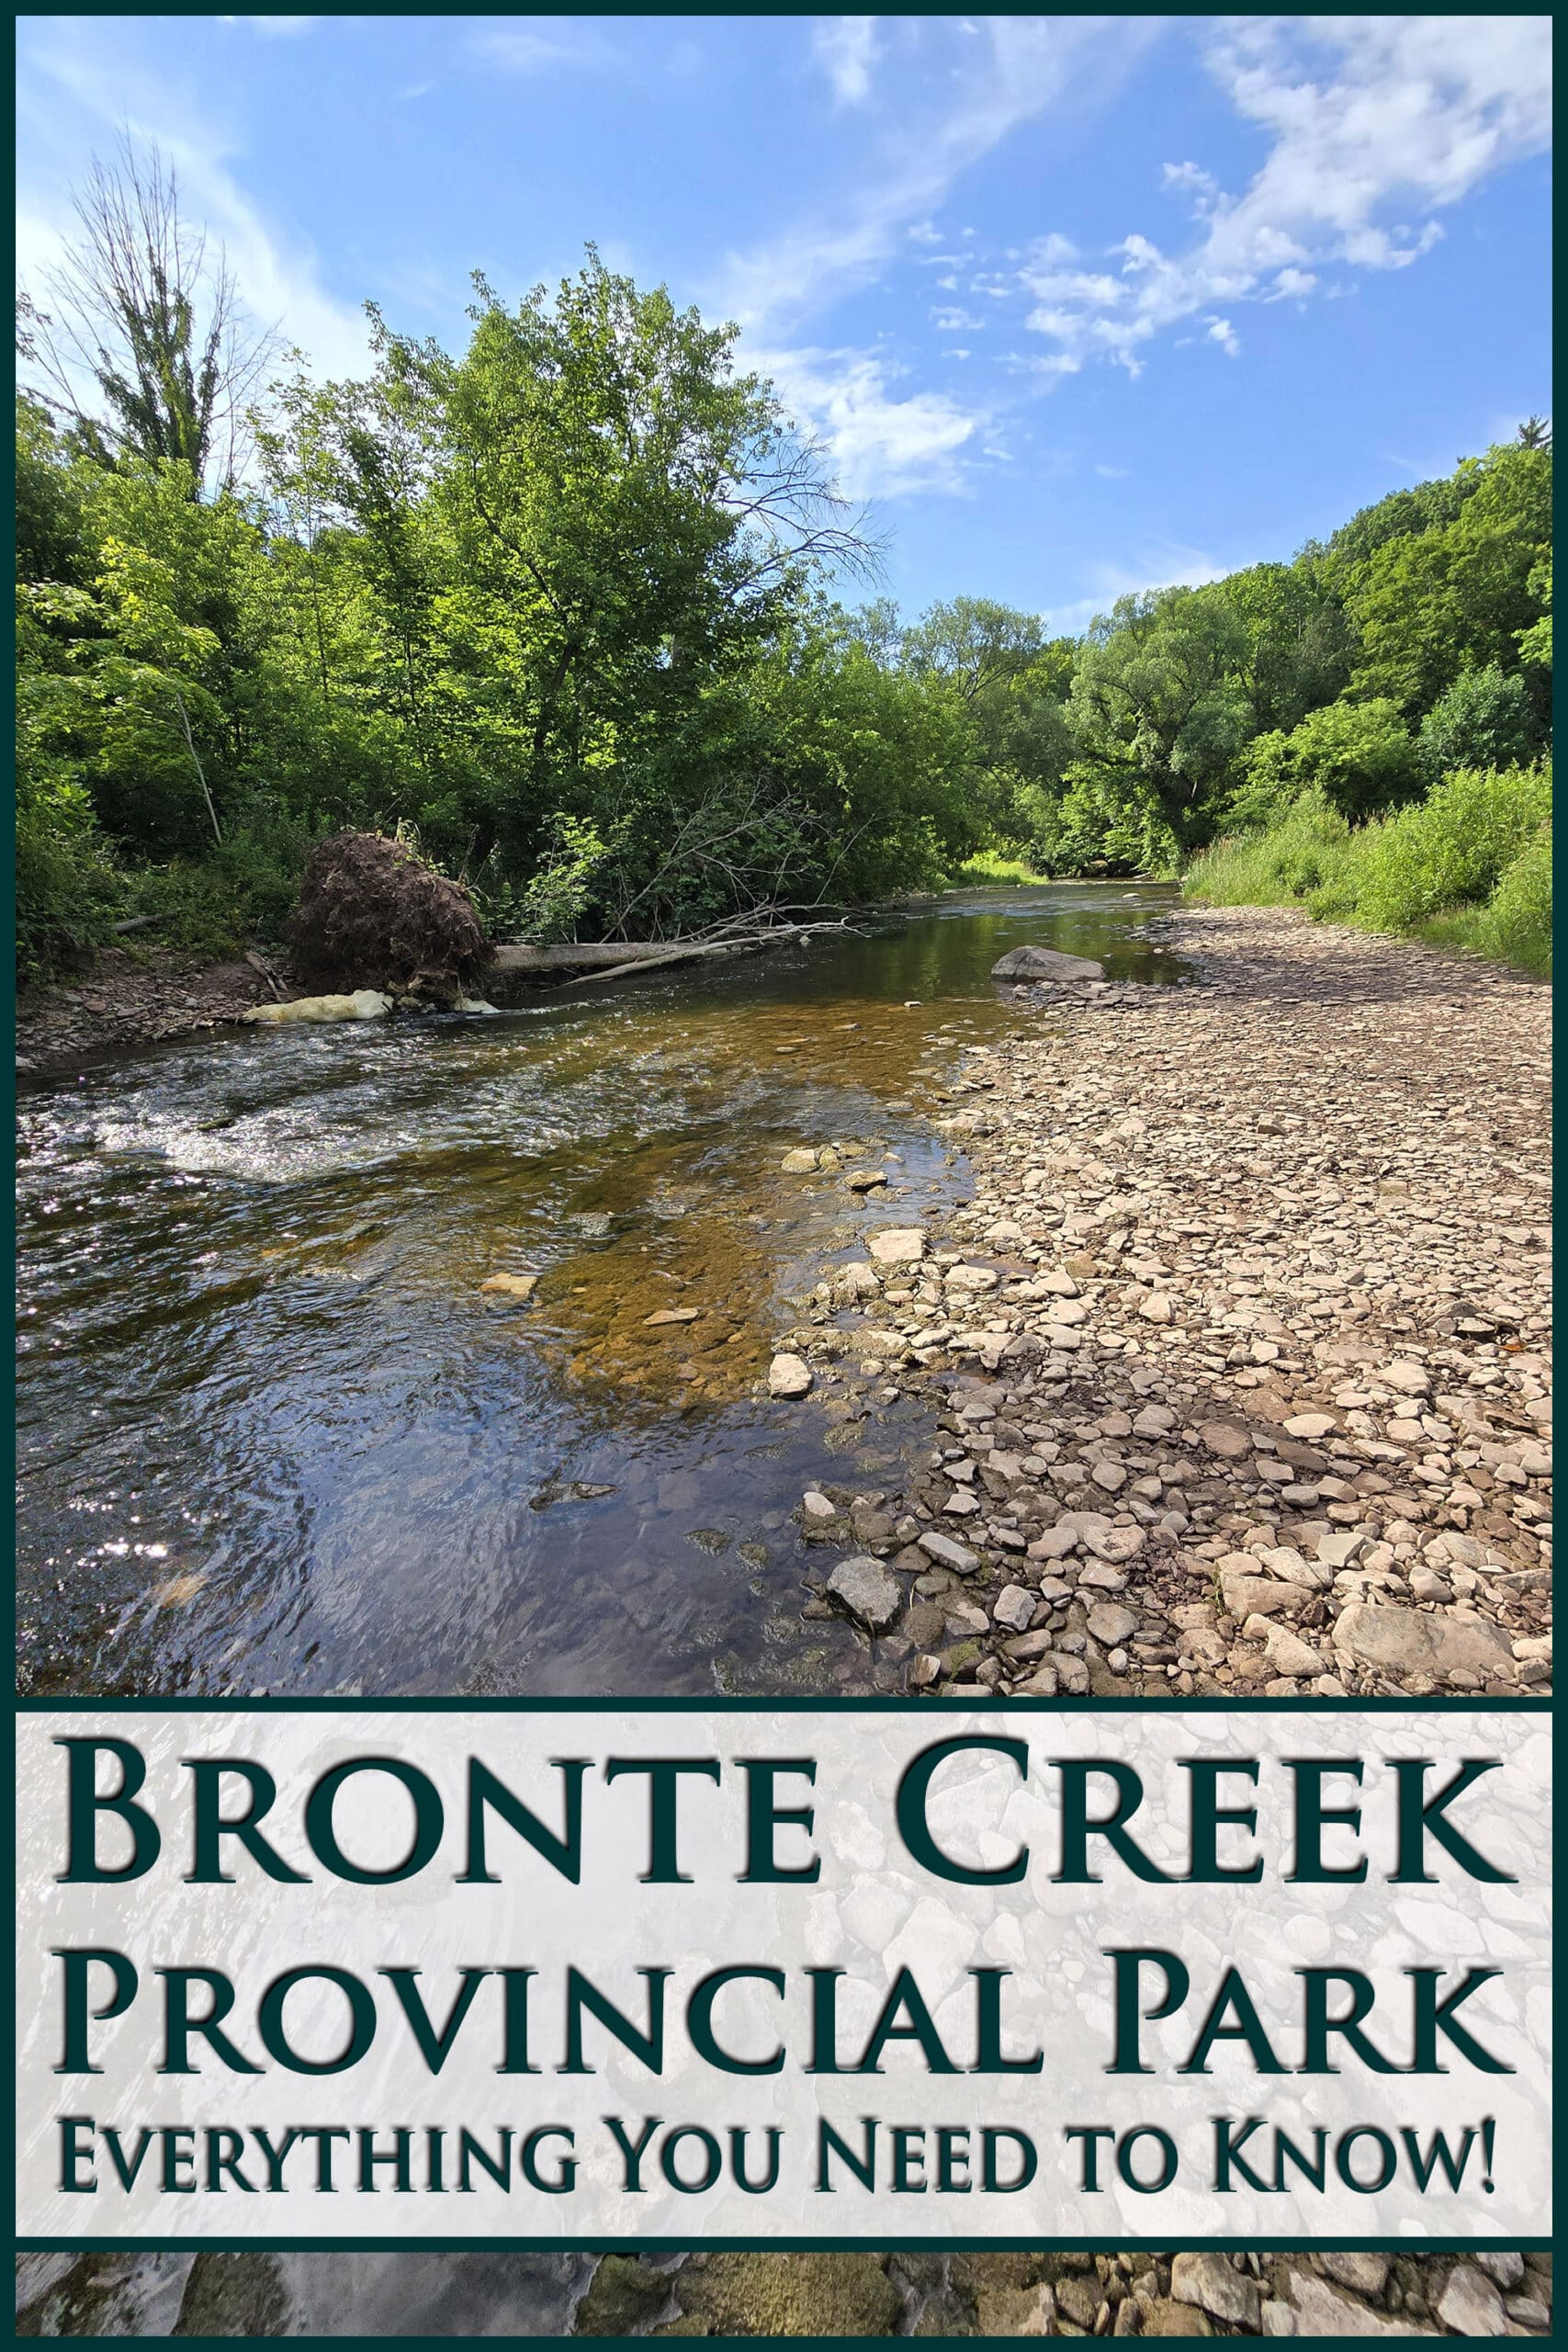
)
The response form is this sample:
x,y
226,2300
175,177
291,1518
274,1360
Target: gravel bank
x,y
1239,1354
129,999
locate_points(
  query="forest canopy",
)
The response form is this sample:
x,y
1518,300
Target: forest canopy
x,y
580,613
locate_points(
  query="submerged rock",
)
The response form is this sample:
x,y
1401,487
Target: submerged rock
x,y
511,1285
791,2294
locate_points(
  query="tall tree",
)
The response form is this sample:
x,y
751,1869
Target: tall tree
x,y
973,642
138,338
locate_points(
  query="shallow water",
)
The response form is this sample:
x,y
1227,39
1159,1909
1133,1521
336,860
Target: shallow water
x,y
273,1434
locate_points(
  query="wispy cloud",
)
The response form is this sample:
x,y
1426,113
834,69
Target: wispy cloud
x,y
528,50
1377,124
885,443
1163,565
1011,70
1023,66
847,49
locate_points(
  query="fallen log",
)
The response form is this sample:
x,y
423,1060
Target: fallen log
x,y
619,959
692,952
526,963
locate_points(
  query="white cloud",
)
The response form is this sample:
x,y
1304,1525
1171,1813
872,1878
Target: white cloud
x,y
883,443
847,48
1377,123
1291,284
1195,183
954,322
1221,332
541,52
1165,565
1017,68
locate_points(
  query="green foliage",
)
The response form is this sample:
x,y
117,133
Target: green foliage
x,y
1470,865
1515,925
990,865
552,904
556,606
1428,604
68,892
1484,720
975,643
1452,848
1156,701
1307,856
1105,824
1535,642
1359,757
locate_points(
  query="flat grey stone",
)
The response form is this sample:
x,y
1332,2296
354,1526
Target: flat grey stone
x,y
1045,963
865,1589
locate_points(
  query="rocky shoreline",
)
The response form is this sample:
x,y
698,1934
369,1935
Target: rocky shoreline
x,y
1238,1356
131,998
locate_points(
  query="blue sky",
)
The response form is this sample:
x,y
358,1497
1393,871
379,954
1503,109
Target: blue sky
x,y
1080,304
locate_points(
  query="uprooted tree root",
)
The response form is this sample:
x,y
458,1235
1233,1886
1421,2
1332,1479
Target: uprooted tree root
x,y
371,913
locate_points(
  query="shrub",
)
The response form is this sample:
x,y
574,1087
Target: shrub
x,y
1309,852
1515,925
1484,721
1452,850
1518,923
68,890
1471,866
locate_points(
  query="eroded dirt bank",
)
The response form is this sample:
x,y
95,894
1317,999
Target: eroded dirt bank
x,y
131,997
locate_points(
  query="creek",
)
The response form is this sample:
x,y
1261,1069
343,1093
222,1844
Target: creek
x,y
274,1434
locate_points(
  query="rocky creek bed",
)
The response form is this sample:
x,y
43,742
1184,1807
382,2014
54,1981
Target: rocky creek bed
x,y
1238,1360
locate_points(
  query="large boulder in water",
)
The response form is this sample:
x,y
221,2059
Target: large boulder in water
x,y
371,912
1045,963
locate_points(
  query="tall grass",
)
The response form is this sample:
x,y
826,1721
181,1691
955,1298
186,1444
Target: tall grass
x,y
1469,867
991,866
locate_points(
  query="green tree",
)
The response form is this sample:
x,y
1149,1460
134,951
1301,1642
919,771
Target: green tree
x,y
1457,596
1156,699
1484,721
976,643
1359,757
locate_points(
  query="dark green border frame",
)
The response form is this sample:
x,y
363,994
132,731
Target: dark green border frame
x,y
922,1708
